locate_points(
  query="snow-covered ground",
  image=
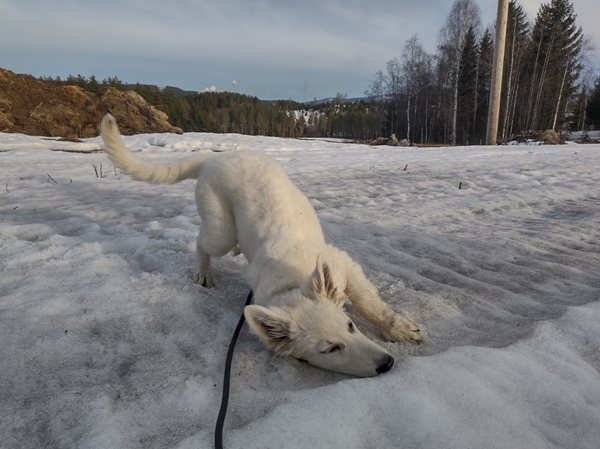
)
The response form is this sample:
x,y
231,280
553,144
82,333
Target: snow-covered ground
x,y
105,341
577,135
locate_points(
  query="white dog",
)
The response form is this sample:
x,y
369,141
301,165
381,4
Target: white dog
x,y
300,283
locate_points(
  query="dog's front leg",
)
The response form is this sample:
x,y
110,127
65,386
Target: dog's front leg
x,y
366,301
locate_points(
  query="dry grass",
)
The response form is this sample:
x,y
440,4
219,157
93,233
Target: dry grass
x,y
38,108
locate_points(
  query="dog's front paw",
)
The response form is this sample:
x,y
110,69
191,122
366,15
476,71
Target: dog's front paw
x,y
402,329
205,279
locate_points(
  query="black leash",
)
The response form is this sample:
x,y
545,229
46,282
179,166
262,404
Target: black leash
x,y
226,375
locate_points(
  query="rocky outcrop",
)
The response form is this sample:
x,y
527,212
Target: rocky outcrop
x,y
39,108
391,141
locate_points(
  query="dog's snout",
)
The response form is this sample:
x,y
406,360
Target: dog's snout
x,y
386,364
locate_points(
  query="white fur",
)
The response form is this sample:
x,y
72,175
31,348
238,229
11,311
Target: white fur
x,y
300,283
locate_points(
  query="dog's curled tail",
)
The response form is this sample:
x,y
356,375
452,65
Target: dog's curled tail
x,y
117,152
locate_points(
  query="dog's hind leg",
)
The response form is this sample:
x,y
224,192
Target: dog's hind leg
x,y
217,235
236,251
202,272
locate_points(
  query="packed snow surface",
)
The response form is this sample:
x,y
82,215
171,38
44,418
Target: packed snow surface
x,y
105,341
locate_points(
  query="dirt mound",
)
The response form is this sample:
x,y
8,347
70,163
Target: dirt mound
x,y
38,108
548,137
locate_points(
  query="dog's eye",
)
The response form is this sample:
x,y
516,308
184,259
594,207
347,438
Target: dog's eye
x,y
333,348
351,326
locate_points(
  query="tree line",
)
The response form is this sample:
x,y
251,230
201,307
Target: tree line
x,y
229,112
218,112
225,112
237,113
90,84
548,83
444,97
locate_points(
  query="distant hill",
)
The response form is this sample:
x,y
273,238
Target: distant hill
x,y
41,108
341,99
176,90
327,100
332,99
182,93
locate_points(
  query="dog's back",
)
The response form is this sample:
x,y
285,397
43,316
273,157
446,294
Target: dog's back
x,y
263,201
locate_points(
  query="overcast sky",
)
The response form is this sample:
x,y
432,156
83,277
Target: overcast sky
x,y
271,49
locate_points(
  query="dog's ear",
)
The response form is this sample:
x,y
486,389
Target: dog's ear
x,y
321,284
272,326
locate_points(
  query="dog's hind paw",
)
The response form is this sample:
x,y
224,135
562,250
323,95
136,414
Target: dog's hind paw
x,y
236,251
402,329
204,279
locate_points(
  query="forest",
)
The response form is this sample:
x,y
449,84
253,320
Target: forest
x,y
548,78
549,82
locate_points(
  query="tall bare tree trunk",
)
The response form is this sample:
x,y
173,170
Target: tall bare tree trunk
x,y
562,85
515,91
427,116
408,116
476,99
510,75
496,87
416,103
513,108
455,106
535,66
538,106
583,117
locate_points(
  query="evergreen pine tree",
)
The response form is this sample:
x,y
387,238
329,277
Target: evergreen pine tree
x,y
555,48
485,57
467,83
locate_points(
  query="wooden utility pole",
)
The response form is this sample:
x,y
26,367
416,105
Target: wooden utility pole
x,y
496,87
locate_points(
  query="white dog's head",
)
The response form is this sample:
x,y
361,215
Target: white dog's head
x,y
315,329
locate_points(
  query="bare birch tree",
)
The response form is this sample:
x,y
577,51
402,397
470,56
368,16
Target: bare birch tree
x,y
586,81
452,38
414,67
517,38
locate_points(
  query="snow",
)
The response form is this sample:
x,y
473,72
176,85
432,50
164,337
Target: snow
x,y
10,142
577,135
105,341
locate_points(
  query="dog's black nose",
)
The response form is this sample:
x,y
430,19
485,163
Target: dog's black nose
x,y
386,365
